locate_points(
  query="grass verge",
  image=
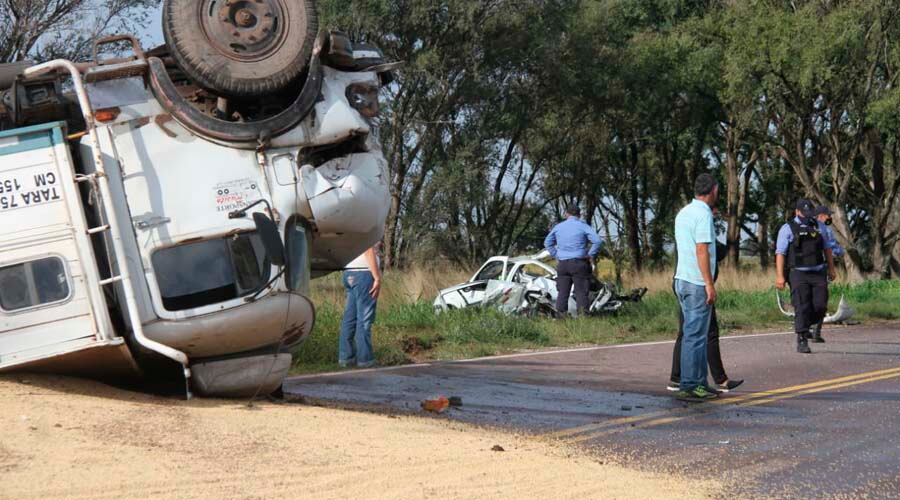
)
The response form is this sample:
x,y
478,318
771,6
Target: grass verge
x,y
412,332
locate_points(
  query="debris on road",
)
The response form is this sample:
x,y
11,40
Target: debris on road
x,y
437,405
497,447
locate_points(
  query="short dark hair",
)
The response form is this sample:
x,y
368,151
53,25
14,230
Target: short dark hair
x,y
573,209
704,184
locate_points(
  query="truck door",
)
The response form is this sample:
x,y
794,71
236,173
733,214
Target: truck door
x,y
53,313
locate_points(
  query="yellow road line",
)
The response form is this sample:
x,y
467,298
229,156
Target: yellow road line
x,y
722,401
747,403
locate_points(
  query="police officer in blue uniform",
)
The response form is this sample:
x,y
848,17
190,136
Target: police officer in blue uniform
x,y
804,260
823,215
568,243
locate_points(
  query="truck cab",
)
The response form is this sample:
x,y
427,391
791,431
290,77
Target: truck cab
x,y
168,221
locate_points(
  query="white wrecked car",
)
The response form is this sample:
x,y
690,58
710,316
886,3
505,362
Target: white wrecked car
x,y
525,285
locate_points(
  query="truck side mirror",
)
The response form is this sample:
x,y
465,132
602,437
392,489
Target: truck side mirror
x,y
271,240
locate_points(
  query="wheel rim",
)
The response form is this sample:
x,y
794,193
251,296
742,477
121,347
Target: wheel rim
x,y
244,30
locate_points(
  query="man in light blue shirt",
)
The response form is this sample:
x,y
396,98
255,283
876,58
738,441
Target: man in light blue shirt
x,y
568,244
695,237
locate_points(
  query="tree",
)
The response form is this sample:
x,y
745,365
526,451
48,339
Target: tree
x,y
507,110
41,30
818,69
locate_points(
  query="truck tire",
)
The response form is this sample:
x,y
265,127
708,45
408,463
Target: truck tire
x,y
241,48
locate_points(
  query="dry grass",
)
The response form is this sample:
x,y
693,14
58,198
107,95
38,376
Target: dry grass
x,y
418,284
743,279
747,278
407,286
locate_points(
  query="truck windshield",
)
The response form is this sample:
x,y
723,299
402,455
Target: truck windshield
x,y
212,271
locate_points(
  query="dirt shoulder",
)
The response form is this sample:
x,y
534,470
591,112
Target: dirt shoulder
x,y
69,438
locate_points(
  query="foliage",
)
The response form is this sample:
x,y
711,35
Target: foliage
x,y
41,30
508,110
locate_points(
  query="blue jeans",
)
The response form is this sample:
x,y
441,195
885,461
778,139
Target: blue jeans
x,y
356,328
696,311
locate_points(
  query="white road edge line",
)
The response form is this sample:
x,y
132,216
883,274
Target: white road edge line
x,y
520,355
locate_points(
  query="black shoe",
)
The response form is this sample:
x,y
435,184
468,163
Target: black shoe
x,y
729,385
816,334
802,344
712,390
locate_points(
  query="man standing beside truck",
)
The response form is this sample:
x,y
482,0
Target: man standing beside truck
x,y
362,280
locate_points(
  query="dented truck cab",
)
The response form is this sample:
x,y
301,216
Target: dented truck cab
x,y
188,190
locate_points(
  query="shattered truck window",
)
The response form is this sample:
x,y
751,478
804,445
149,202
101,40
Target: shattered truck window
x,y
212,271
34,283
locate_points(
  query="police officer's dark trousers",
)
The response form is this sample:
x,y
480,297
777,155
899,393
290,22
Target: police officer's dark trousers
x,y
809,295
569,272
713,354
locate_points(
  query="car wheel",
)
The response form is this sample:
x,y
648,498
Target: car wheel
x,y
241,48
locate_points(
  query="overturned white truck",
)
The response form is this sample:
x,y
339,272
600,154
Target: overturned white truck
x,y
171,207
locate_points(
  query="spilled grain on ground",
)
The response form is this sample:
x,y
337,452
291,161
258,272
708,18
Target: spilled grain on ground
x,y
67,438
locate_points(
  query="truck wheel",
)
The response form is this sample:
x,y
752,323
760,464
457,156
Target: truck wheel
x,y
241,48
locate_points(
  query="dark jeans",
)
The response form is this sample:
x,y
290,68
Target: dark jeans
x,y
809,295
577,271
713,355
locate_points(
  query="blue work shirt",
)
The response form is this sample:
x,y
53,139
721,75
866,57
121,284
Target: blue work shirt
x,y
693,225
836,249
786,237
568,240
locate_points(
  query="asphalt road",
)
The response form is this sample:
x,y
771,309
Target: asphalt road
x,y
802,426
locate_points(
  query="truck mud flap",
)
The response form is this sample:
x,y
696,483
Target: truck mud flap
x,y
249,133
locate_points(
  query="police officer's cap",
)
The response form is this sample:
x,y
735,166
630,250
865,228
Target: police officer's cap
x,y
806,208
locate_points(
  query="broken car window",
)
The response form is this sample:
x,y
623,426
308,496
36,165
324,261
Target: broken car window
x,y
533,271
491,271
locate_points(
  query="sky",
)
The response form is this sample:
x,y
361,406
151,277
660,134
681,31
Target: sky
x,y
152,36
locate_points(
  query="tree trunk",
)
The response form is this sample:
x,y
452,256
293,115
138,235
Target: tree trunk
x,y
632,225
762,242
732,189
895,262
881,258
390,232
852,259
